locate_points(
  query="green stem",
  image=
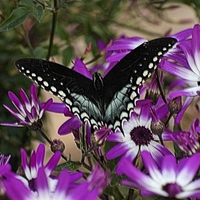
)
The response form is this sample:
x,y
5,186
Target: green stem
x,y
130,194
159,86
53,28
116,192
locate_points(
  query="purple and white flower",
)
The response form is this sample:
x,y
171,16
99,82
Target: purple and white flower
x,y
28,112
187,65
31,168
169,178
66,186
187,141
137,137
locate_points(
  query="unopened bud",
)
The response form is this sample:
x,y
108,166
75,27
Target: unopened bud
x,y
153,95
157,128
175,105
57,145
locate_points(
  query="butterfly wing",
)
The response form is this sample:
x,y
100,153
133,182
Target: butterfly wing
x,y
122,83
71,87
120,86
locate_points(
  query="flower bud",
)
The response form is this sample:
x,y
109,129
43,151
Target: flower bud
x,y
153,95
175,105
57,145
157,128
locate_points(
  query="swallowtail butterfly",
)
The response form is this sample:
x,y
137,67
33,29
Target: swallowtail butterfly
x,y
107,100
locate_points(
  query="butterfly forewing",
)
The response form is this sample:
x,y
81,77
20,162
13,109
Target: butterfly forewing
x,y
109,100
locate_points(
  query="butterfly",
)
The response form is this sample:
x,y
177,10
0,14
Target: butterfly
x,y
101,101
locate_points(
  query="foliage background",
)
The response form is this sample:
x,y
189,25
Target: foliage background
x,y
63,29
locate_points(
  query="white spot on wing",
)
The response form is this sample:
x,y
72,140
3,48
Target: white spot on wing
x,y
45,83
75,110
93,122
53,89
149,75
123,115
133,95
155,59
39,78
139,80
117,124
151,65
62,93
84,115
145,73
68,102
164,49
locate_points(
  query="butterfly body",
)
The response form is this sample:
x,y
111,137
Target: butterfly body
x,y
101,100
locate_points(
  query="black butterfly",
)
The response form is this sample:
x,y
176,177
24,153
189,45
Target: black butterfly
x,y
107,100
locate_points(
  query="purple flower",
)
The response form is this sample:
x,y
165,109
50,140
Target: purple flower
x,y
137,137
168,179
91,188
188,141
16,189
187,65
64,187
28,112
4,159
5,172
6,176
122,46
46,188
36,161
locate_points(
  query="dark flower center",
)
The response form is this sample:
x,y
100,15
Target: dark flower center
x,y
141,135
172,189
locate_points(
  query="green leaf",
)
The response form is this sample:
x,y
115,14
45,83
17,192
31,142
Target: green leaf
x,y
115,179
17,17
61,32
41,1
40,52
72,166
26,3
37,13
67,55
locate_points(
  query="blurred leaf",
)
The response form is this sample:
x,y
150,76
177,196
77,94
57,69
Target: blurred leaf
x,y
72,166
17,17
26,3
37,13
115,179
40,52
41,1
62,33
68,55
